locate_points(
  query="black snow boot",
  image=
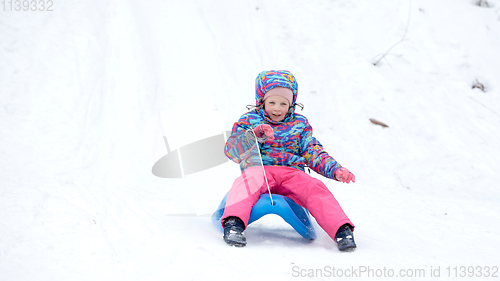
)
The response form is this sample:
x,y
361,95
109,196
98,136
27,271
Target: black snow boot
x,y
345,238
233,232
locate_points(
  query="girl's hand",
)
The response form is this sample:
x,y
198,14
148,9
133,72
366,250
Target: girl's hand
x,y
263,132
344,175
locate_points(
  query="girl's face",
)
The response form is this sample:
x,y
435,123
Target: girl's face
x,y
277,107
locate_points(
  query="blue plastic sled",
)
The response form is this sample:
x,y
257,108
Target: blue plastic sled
x,y
295,215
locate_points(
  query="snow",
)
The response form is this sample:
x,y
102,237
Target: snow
x,y
89,91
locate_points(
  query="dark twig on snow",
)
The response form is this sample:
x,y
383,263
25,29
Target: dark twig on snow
x,y
378,123
399,42
483,3
479,85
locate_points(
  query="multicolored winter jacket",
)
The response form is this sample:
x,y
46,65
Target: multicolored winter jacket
x,y
293,144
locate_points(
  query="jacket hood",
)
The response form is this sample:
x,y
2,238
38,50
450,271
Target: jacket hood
x,y
267,80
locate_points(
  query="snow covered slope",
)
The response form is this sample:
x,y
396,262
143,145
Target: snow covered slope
x,y
90,91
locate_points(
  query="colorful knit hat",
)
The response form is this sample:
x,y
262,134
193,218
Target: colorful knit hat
x,y
268,80
280,91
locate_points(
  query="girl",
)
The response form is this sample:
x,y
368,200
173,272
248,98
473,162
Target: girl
x,y
287,146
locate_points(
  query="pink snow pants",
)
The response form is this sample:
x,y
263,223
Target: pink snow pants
x,y
305,190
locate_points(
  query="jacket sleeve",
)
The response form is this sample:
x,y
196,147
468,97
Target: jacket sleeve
x,y
316,157
238,147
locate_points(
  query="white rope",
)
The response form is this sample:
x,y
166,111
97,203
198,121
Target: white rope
x,y
263,170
